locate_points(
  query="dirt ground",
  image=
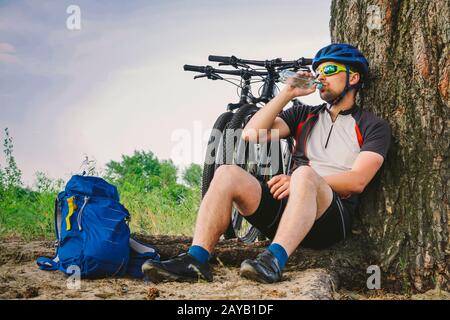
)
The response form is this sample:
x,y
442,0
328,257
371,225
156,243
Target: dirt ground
x,y
21,279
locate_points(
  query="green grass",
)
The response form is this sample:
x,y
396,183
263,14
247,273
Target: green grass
x,y
29,214
153,213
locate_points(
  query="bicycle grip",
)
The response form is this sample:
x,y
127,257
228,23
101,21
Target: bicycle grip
x,y
188,67
306,61
219,59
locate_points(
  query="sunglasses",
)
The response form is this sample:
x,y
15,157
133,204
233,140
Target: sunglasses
x,y
331,69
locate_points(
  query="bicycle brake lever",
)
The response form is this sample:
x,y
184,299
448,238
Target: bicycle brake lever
x,y
200,76
214,76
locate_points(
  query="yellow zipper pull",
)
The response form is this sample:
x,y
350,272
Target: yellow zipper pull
x,y
72,207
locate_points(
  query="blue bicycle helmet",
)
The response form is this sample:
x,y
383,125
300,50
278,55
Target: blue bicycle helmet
x,y
348,55
345,54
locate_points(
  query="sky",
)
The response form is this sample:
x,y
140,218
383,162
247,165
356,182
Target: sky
x,y
117,83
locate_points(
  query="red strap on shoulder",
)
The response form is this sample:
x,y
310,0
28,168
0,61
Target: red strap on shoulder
x,y
358,135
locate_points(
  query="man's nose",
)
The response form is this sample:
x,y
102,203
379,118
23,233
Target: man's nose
x,y
320,76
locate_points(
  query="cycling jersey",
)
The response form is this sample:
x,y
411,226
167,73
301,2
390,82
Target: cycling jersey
x,y
332,147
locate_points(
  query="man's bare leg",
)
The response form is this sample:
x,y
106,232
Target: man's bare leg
x,y
309,197
231,184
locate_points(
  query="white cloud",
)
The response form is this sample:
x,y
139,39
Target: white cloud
x,y
118,85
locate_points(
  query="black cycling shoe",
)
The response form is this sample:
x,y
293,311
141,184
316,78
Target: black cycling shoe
x,y
181,268
265,268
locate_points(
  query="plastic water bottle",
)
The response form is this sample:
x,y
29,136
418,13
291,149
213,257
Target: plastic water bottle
x,y
299,81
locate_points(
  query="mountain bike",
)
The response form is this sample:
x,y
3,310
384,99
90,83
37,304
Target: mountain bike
x,y
226,146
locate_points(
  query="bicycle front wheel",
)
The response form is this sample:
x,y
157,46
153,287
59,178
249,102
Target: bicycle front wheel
x,y
214,156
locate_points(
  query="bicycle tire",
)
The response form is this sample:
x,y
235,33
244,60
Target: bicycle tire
x,y
210,168
236,123
248,233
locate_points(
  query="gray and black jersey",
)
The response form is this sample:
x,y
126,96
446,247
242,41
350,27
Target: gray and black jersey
x,y
332,147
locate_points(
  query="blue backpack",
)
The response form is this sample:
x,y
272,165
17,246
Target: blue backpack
x,y
92,232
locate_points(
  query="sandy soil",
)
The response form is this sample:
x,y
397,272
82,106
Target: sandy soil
x,y
21,279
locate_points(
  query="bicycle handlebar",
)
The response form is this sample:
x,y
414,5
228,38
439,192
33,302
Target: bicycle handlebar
x,y
278,62
270,77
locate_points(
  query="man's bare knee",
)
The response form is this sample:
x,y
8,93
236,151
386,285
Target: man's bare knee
x,y
227,175
227,170
305,175
230,179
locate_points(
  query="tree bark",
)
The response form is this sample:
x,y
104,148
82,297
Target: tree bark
x,y
404,211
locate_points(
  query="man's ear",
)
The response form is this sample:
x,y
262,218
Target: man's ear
x,y
354,78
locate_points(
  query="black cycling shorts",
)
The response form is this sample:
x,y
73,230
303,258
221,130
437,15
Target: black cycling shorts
x,y
333,226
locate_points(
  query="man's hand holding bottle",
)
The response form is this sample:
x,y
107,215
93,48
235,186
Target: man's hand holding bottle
x,y
302,84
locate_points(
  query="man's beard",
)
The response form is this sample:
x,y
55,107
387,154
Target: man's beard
x,y
328,96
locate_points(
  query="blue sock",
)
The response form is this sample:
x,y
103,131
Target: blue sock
x,y
199,253
279,253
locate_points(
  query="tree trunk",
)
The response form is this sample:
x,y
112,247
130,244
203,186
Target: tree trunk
x,y
404,211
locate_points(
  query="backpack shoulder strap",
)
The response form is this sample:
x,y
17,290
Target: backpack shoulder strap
x,y
58,217
47,264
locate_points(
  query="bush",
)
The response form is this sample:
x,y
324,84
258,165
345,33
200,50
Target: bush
x,y
149,190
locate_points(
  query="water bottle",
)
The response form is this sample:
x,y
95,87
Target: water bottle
x,y
299,81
